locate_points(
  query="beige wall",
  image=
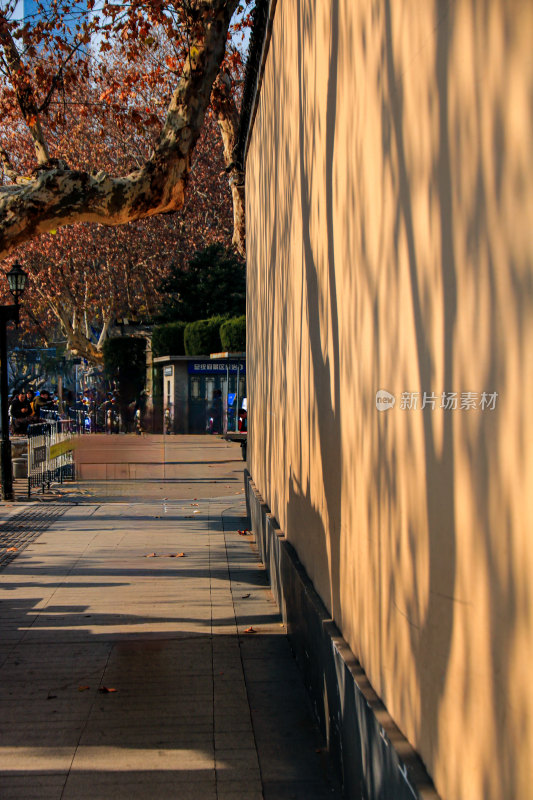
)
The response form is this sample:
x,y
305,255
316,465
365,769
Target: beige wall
x,y
390,246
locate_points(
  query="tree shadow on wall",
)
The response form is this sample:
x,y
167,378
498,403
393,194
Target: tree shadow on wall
x,y
325,369
431,632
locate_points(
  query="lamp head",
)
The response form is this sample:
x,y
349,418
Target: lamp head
x,y
16,278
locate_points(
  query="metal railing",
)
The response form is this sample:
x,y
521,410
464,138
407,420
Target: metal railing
x,y
89,420
50,453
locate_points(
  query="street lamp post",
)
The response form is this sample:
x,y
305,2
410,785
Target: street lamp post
x,y
16,279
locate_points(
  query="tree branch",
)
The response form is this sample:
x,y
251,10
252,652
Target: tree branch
x,y
105,330
228,122
59,196
56,81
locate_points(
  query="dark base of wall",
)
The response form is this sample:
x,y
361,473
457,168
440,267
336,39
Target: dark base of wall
x,y
374,759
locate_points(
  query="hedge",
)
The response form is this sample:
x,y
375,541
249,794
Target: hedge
x,y
233,335
167,340
203,337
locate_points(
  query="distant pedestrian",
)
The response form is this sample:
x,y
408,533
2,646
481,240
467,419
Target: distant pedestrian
x,y
43,403
214,424
21,413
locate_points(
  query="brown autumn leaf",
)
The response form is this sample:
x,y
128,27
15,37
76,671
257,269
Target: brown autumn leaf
x,y
83,688
106,690
11,549
150,555
250,630
180,555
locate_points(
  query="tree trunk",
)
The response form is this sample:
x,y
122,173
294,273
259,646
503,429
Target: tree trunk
x,y
79,345
228,121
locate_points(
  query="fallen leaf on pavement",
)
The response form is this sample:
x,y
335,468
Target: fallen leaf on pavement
x,y
83,688
106,690
245,596
150,555
180,555
250,630
11,549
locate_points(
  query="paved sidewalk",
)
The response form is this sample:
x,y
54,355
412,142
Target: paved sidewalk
x,y
142,656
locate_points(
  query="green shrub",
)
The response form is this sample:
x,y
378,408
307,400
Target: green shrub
x,y
125,364
203,337
233,335
167,340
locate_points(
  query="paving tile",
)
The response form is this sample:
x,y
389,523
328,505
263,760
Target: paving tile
x,y
32,786
126,759
139,785
237,763
41,732
298,790
38,759
245,789
234,740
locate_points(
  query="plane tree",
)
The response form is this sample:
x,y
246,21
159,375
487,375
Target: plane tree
x,y
84,276
53,82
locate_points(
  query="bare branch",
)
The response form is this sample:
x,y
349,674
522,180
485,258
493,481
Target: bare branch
x,y
56,80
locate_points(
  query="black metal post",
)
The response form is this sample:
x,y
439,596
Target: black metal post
x,y
7,314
